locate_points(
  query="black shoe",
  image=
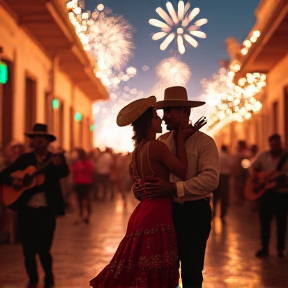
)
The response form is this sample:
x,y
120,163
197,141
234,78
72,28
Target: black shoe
x,y
49,282
262,253
280,254
31,284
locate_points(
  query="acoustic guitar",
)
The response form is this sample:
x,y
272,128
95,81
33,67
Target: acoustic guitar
x,y
31,177
262,181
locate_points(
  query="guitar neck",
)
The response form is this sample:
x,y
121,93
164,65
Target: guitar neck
x,y
43,167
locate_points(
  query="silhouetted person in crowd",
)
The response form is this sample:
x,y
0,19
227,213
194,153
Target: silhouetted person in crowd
x,y
104,168
274,201
240,170
221,194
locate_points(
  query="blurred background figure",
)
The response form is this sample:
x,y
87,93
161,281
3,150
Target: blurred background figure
x,y
274,201
8,217
82,171
70,156
221,194
104,166
254,151
241,164
95,185
122,181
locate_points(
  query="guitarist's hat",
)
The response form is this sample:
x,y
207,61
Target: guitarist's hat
x,y
40,130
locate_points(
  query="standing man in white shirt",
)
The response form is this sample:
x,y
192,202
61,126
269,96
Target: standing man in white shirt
x,y
221,193
192,198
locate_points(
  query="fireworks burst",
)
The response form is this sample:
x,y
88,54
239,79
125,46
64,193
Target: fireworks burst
x,y
178,25
107,38
173,71
170,72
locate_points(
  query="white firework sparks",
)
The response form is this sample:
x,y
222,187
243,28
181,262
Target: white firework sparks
x,y
178,25
170,72
173,71
109,42
227,102
107,38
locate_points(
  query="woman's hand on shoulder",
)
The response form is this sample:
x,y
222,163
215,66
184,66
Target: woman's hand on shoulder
x,y
186,133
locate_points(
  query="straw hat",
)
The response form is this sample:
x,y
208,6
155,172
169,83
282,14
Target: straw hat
x,y
40,130
134,110
176,96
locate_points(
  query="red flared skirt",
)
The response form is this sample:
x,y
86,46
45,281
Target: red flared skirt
x,y
147,256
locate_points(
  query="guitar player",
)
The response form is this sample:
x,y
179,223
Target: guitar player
x,y
274,202
36,215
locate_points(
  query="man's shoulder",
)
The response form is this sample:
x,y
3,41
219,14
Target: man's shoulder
x,y
25,156
164,137
200,136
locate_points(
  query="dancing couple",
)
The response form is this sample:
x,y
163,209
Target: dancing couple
x,y
174,177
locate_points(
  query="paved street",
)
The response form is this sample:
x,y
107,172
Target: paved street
x,y
81,251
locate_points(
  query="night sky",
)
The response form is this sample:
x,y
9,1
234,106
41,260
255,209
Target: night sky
x,y
226,18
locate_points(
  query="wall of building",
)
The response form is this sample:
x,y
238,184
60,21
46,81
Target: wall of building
x,y
277,80
30,60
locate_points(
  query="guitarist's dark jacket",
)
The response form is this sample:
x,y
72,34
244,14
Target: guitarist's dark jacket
x,y
51,186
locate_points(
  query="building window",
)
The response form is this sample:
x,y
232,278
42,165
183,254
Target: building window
x,y
275,117
30,103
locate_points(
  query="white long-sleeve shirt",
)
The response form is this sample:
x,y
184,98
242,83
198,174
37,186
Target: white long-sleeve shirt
x,y
203,167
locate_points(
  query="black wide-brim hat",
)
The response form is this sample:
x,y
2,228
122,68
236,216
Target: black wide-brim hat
x,y
40,130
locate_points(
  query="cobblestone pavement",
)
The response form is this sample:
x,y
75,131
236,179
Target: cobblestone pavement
x,y
81,251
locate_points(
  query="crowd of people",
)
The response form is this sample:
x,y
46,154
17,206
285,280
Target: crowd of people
x,y
94,176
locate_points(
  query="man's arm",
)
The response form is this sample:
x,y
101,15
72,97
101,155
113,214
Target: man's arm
x,y
5,175
208,176
60,166
256,164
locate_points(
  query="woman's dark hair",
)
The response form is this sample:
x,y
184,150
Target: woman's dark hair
x,y
141,125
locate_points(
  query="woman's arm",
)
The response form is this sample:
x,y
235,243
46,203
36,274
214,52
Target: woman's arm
x,y
161,153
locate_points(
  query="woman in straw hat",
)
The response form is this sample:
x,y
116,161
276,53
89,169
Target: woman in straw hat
x,y
147,255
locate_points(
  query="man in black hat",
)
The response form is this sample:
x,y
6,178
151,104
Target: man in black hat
x,y
39,205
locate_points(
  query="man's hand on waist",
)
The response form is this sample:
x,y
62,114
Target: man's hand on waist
x,y
156,187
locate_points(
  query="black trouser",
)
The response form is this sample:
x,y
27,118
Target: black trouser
x,y
83,198
192,222
221,194
36,227
270,204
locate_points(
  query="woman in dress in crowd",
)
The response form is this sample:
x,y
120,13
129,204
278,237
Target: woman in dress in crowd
x,y
82,172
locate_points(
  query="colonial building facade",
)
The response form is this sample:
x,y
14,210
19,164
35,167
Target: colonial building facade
x,y
50,76
269,55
